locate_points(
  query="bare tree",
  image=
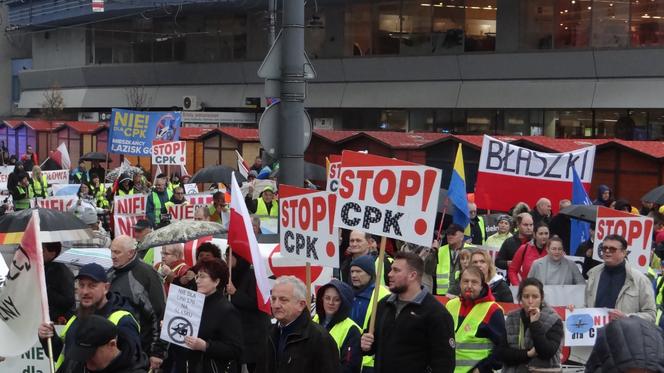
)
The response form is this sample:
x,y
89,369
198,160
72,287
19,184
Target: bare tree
x,y
137,98
53,103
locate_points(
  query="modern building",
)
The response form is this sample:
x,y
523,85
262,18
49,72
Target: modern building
x,y
563,68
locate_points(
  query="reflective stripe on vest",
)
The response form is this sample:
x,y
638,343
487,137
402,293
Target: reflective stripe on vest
x,y
443,270
368,360
340,331
470,349
157,205
658,299
261,208
123,193
100,194
114,317
39,187
24,203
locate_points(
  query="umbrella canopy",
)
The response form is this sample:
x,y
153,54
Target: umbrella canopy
x,y
582,212
55,226
312,171
217,174
444,204
94,156
179,232
128,170
655,195
82,256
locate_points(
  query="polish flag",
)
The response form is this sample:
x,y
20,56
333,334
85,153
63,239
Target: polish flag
x,y
61,156
190,248
242,239
242,166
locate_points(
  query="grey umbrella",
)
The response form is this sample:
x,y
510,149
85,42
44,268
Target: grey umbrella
x,y
217,174
655,195
582,212
94,156
124,169
179,232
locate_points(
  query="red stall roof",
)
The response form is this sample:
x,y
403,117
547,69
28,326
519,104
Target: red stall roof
x,y
653,149
85,128
562,145
405,140
193,133
335,136
240,134
41,125
13,123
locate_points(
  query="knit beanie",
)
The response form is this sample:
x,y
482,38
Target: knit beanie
x,y
366,263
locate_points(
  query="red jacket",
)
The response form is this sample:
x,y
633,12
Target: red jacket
x,y
522,261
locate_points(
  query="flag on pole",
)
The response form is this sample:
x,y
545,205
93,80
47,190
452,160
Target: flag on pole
x,y
156,173
97,6
23,301
242,166
183,171
242,240
579,229
61,157
457,191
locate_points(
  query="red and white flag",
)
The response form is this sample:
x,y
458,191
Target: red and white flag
x,y
242,166
183,171
97,6
61,156
23,301
242,240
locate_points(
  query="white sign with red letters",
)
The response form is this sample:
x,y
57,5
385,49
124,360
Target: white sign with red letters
x,y
333,173
169,153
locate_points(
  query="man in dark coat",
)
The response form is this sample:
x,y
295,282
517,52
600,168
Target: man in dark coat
x,y
59,285
296,344
414,332
524,223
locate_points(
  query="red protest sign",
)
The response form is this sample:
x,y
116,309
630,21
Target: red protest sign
x,y
307,225
637,231
387,197
334,167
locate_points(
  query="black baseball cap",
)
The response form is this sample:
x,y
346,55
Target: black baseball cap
x,y
453,228
92,331
93,271
142,224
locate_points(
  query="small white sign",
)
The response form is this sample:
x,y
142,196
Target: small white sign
x,y
183,315
169,153
190,188
582,325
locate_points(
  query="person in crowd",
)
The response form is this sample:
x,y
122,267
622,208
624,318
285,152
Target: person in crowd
x,y
140,184
218,210
296,343
624,205
479,324
257,166
140,283
95,297
604,197
21,193
13,178
448,265
12,160
125,186
333,305
619,286
256,225
504,232
554,268
205,251
561,225
80,174
414,332
500,289
100,238
30,158
156,205
252,175
177,198
172,265
185,179
534,332
59,284
476,229
519,208
174,182
464,262
255,323
360,244
98,170
85,199
524,234
99,346
648,208
201,213
542,212
630,344
585,250
265,205
4,153
218,345
38,183
98,191
527,254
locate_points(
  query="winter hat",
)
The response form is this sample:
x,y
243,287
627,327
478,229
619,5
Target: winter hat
x,y
504,217
366,263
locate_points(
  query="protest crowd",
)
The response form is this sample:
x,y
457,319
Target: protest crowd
x,y
475,298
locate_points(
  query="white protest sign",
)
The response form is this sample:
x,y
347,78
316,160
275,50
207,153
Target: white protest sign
x,y
124,224
56,176
134,204
4,175
190,188
169,153
183,211
637,231
65,189
334,166
33,360
581,326
307,226
182,317
560,295
60,203
387,197
199,199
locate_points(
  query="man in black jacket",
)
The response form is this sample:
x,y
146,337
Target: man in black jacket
x,y
414,332
142,285
296,344
59,285
524,223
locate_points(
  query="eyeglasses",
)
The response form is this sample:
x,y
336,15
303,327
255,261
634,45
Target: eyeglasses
x,y
609,249
201,276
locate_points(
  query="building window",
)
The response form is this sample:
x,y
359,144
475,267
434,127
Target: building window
x,y
572,23
416,27
393,120
605,122
358,30
610,24
656,124
536,24
647,27
447,26
573,123
480,25
388,27
480,122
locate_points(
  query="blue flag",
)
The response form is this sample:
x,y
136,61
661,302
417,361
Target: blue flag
x,y
457,191
579,230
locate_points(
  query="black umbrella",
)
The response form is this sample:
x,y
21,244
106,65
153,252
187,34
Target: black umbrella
x,y
655,195
217,174
312,171
55,226
444,204
94,156
582,212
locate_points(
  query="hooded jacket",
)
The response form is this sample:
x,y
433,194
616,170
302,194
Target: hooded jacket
x,y
628,343
350,353
602,202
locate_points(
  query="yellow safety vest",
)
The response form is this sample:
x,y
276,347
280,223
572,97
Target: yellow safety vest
x,y
368,360
261,208
114,317
123,193
100,196
24,203
443,269
340,331
658,299
382,276
480,222
470,349
39,187
157,205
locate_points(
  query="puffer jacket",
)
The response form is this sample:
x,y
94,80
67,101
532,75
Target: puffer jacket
x,y
522,261
628,343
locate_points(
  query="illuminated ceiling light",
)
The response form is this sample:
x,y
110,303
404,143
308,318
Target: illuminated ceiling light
x,y
425,4
573,2
566,28
645,16
589,8
566,10
561,24
611,4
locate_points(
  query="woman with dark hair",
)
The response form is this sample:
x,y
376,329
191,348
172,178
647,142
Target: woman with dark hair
x,y
534,332
255,323
218,345
528,253
205,251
